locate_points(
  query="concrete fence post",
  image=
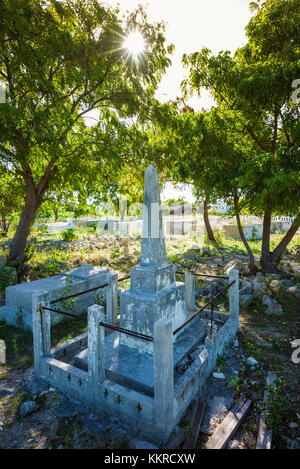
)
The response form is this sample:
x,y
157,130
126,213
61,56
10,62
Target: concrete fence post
x,y
46,330
163,374
115,296
96,338
37,332
234,294
190,293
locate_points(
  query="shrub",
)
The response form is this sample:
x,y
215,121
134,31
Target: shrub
x,y
8,276
69,235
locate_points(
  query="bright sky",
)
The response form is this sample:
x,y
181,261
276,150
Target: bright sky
x,y
190,25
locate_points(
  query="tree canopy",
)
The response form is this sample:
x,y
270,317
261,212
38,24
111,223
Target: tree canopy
x,y
60,61
253,93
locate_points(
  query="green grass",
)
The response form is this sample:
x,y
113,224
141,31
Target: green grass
x,y
18,348
19,342
67,329
238,246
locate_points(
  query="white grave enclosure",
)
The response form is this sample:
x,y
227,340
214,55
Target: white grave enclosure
x,y
132,371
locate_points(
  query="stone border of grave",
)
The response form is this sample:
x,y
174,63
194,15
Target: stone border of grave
x,y
155,417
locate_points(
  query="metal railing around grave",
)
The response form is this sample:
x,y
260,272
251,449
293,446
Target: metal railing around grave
x,y
136,334
209,303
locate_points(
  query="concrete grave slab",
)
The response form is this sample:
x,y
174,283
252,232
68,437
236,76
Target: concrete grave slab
x,y
134,368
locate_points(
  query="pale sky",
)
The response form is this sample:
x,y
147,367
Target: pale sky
x,y
191,25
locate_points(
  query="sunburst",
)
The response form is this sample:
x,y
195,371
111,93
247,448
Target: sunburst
x,y
135,44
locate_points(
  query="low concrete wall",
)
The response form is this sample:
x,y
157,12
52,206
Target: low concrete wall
x,y
19,298
281,226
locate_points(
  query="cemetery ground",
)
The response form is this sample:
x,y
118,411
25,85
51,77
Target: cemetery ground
x,y
269,322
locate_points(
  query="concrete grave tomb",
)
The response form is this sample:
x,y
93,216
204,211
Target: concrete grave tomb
x,y
19,298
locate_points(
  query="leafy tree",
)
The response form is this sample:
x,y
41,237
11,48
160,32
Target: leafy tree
x,y
10,198
60,61
253,91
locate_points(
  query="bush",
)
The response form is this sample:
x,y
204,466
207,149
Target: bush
x,y
69,235
8,276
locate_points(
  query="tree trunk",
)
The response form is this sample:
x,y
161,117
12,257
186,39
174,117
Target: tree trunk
x,y
32,203
208,228
55,214
252,267
266,261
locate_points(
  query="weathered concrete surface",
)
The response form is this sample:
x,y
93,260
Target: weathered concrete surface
x,y
153,252
231,231
134,368
163,376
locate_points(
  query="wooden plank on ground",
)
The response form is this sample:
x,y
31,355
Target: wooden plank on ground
x,y
197,417
177,439
229,426
180,435
264,440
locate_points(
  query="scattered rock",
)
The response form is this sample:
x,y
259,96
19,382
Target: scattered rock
x,y
206,251
234,444
293,425
27,408
273,307
275,285
215,412
267,301
292,444
32,384
200,353
246,288
252,362
259,286
218,376
5,392
102,260
295,290
245,299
